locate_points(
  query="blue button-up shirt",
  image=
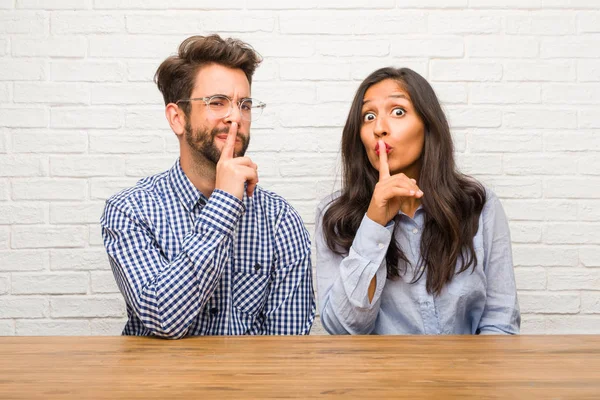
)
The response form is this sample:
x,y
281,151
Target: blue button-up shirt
x,y
188,265
483,301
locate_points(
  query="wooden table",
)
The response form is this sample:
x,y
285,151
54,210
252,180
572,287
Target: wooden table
x,y
436,367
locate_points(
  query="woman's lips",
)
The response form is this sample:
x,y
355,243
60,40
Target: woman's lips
x,y
388,148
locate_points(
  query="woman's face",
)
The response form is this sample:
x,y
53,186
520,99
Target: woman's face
x,y
388,114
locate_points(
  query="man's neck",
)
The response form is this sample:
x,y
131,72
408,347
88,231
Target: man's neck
x,y
201,172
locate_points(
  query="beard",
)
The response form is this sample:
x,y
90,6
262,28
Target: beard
x,y
202,142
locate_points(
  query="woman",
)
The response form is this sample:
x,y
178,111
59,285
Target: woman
x,y
410,245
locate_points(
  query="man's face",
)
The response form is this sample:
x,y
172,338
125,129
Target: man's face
x,y
206,133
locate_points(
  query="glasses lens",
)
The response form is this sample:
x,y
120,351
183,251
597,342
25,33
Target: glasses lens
x,y
251,109
219,106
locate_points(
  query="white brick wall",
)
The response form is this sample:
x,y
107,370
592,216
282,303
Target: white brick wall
x,y
81,119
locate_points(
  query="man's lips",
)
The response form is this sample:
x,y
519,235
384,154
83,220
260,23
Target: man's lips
x,y
388,148
223,136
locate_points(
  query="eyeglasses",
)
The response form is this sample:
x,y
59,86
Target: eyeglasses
x,y
221,106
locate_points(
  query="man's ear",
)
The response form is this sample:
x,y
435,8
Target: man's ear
x,y
176,118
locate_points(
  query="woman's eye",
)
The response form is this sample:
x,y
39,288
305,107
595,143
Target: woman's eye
x,y
369,117
398,112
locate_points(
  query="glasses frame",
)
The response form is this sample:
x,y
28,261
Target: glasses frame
x,y
208,99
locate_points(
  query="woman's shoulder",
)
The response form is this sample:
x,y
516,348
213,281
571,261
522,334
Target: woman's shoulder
x,y
327,201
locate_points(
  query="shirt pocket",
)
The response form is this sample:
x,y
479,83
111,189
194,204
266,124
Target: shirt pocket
x,y
251,285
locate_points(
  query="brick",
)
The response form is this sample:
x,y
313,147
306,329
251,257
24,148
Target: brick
x,y
4,284
286,46
589,118
431,3
530,278
15,213
23,260
54,283
570,141
151,118
544,210
589,256
145,166
126,93
307,165
52,328
489,164
588,164
132,46
345,48
525,232
451,93
537,118
198,22
48,141
543,23
458,70
505,93
572,188
549,303
4,236
7,327
570,324
23,69
95,235
363,67
21,166
5,95
569,46
55,46
143,71
284,92
590,302
23,22
527,4
505,141
39,237
71,117
539,165
297,189
87,71
572,233
473,117
574,279
53,4
86,166
539,70
328,92
51,93
104,282
440,47
172,5
107,327
267,72
23,117
588,70
49,189
314,4
515,187
302,70
73,22
531,255
460,22
326,115
87,307
533,324
501,46
75,213
102,189
23,307
582,4
589,210
109,143
571,93
346,23
79,260
4,188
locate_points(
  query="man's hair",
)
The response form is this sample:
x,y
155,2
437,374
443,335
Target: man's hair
x,y
176,76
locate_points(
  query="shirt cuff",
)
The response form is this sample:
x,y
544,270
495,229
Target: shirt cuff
x,y
222,212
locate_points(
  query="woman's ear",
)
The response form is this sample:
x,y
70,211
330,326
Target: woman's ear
x,y
176,118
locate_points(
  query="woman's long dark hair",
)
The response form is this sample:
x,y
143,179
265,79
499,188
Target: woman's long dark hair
x,y
452,201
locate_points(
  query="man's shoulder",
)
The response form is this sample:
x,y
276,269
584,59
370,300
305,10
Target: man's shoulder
x,y
275,206
144,192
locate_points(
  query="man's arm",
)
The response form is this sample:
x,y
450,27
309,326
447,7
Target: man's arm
x,y
167,296
290,307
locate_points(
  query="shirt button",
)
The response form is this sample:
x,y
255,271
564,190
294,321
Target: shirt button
x,y
415,231
380,245
214,311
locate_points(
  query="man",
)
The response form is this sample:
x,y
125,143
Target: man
x,y
201,249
